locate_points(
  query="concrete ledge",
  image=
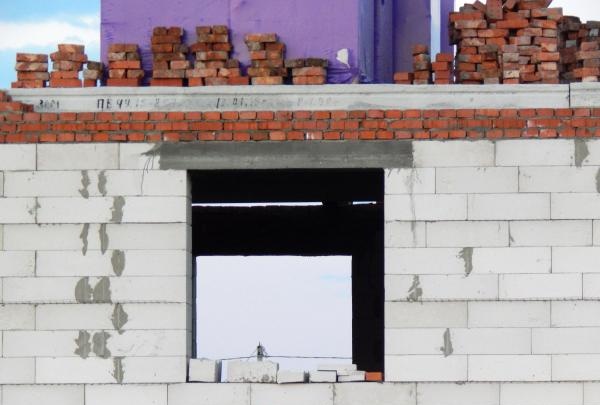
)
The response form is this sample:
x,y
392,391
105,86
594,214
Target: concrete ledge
x,y
268,98
585,95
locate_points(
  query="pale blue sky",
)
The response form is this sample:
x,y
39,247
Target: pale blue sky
x,y
38,25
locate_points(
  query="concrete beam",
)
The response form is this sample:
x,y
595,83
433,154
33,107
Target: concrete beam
x,y
283,155
261,98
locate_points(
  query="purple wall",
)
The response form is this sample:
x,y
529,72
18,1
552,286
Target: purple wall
x,y
377,33
317,28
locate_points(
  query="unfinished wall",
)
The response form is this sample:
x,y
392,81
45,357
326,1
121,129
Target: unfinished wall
x,y
491,287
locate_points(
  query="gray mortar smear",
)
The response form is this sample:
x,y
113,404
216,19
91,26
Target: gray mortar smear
x,y
581,151
84,238
117,209
99,340
466,254
119,318
118,372
447,349
117,261
101,291
85,182
103,238
415,291
83,291
102,183
83,344
598,181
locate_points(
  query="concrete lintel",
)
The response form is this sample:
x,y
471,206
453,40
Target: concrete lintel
x,y
326,97
585,95
284,155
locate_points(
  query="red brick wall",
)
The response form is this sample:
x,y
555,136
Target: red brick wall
x,y
19,125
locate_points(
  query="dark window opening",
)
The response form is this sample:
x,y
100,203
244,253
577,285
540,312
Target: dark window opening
x,y
344,218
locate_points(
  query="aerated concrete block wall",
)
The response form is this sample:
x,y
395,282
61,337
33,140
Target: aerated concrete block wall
x,y
492,280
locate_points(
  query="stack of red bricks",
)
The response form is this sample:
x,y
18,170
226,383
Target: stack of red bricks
x,y
213,66
403,78
32,71
568,43
124,66
515,41
588,54
421,64
442,68
66,65
308,71
169,57
266,59
92,74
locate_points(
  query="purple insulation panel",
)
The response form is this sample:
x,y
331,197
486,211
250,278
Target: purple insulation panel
x,y
309,28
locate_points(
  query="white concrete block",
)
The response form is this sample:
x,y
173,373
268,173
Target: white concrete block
x,y
575,260
100,316
17,264
78,156
566,179
122,289
352,376
1,184
453,154
441,287
509,206
17,157
425,314
337,367
17,371
112,263
126,394
405,234
155,370
458,394
294,394
147,343
39,344
64,210
73,236
43,394
458,341
425,207
204,370
252,371
426,368
102,183
575,205
596,233
535,152
409,181
540,286
551,233
509,368
591,393
291,377
593,147
17,210
17,317
541,394
213,394
138,156
576,367
467,233
375,394
565,340
477,180
466,261
74,370
319,376
575,313
591,286
509,314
